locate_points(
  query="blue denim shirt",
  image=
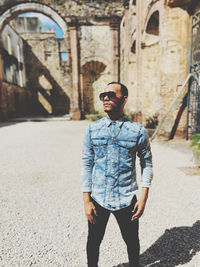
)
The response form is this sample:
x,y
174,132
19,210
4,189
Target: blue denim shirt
x,y
108,161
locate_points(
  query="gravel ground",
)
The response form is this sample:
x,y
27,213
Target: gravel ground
x,y
42,221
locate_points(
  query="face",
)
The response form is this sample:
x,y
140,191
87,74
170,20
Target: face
x,y
114,104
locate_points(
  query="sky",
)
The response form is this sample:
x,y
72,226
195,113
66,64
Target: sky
x,y
47,23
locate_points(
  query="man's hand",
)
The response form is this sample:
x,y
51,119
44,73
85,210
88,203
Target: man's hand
x,y
90,211
89,207
140,204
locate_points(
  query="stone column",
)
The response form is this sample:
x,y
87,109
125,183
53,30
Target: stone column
x,y
115,51
3,111
126,46
139,55
75,103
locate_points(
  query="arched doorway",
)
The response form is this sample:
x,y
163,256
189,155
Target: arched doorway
x,y
91,72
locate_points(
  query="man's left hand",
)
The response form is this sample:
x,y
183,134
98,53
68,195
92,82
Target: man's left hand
x,y
138,209
140,204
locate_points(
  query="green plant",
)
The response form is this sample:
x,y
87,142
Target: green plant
x,y
95,112
195,142
94,115
152,122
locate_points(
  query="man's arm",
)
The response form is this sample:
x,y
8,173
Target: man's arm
x,y
144,153
86,176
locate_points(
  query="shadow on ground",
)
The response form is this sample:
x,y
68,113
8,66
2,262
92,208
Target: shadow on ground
x,y
176,246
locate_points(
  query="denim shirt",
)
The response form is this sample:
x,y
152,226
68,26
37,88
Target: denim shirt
x,y
108,161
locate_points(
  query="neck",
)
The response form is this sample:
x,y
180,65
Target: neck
x,y
115,116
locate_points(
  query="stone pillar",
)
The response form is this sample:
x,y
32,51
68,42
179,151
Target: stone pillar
x,y
174,46
139,55
75,103
82,93
126,46
115,51
3,111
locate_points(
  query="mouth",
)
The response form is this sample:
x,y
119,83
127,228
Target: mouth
x,y
106,105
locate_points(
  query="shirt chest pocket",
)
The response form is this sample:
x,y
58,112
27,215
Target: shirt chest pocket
x,y
126,148
99,147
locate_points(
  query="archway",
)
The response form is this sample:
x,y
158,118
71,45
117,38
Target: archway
x,y
15,10
58,98
91,72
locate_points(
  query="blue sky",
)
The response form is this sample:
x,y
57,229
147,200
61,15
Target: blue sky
x,y
46,22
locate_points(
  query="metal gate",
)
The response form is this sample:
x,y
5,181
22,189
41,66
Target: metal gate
x,y
193,111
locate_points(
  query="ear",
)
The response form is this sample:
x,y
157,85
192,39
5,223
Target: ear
x,y
125,99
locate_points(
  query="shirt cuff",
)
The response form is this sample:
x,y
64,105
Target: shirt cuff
x,y
86,189
145,184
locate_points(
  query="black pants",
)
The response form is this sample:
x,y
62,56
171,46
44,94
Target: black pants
x,y
129,231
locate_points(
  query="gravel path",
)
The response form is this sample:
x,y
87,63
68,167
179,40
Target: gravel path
x,y
41,212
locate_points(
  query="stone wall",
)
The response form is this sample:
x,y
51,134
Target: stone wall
x,y
46,74
155,59
19,101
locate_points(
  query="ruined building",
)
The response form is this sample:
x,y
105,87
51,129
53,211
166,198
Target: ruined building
x,y
151,46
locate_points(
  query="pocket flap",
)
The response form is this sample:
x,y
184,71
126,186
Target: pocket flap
x,y
127,144
99,142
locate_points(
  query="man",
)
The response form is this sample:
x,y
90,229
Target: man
x,y
109,177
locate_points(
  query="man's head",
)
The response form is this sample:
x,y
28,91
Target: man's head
x,y
114,97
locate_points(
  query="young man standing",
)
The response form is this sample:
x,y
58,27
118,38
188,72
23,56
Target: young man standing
x,y
109,176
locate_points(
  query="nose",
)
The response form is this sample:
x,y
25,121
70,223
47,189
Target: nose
x,y
106,98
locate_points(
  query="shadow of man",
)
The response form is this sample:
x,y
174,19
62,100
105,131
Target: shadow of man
x,y
176,246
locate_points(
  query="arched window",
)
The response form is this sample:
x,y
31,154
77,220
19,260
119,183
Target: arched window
x,y
153,24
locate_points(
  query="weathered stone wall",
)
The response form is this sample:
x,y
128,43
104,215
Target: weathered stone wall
x,y
19,101
155,59
45,73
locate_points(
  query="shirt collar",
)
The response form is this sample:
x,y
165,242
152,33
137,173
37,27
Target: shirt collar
x,y
119,122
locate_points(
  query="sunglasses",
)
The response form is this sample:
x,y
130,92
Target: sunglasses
x,y
109,94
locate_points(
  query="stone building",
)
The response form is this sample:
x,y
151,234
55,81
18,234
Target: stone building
x,y
13,71
144,44
155,54
48,76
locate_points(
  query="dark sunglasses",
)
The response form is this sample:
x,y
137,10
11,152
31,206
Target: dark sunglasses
x,y
109,94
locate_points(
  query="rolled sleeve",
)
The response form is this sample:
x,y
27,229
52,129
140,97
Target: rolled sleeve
x,y
87,162
145,155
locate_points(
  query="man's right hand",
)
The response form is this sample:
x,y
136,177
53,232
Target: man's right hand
x,y
90,211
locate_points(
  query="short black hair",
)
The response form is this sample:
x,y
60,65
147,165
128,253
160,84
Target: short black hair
x,y
124,89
